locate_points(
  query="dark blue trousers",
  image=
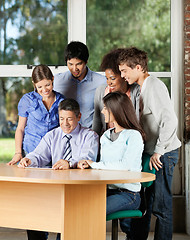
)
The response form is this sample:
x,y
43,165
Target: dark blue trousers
x,y
159,201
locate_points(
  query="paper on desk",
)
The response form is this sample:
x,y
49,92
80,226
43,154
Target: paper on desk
x,y
44,168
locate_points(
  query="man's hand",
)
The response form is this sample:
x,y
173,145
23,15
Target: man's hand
x,y
61,165
155,161
24,162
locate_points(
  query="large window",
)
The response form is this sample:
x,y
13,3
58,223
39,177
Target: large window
x,y
37,31
113,24
33,31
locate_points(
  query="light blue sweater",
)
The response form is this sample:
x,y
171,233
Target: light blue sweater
x,y
122,154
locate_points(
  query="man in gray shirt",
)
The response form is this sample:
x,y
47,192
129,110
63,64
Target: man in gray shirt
x,y
160,125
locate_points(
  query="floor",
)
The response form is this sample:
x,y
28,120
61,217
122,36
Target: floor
x,y
14,234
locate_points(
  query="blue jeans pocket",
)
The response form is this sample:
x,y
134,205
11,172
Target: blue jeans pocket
x,y
172,161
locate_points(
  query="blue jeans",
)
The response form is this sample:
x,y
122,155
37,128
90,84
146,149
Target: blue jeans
x,y
159,202
118,200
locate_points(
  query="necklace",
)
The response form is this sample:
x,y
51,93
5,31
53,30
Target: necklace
x,y
51,103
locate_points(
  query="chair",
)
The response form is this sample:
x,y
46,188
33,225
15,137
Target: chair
x,y
139,213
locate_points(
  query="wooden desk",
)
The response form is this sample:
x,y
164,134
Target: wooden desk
x,y
72,202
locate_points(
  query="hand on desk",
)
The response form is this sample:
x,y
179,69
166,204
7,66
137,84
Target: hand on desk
x,y
61,165
82,164
24,162
16,158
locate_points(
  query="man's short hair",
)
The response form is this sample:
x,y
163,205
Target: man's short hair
x,y
78,50
70,104
132,57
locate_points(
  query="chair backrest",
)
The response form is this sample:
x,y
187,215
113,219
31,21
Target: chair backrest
x,y
146,168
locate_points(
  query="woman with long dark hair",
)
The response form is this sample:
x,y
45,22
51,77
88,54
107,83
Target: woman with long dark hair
x,y
121,149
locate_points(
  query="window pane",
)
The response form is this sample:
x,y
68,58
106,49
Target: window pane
x,y
141,23
7,149
33,31
167,82
16,87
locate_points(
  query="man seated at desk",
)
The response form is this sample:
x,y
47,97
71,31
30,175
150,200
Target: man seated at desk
x,y
64,146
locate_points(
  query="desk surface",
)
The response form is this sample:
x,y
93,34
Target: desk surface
x,y
49,197
71,176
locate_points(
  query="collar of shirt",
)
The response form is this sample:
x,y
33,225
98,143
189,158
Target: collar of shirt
x,y
74,132
144,84
86,78
38,96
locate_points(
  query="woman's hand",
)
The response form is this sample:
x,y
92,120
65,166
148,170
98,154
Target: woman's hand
x,y
82,164
24,162
16,158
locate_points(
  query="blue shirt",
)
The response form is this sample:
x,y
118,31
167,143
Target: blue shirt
x,y
124,153
39,119
82,91
84,145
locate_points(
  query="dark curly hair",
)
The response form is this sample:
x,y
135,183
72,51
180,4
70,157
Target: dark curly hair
x,y
109,61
